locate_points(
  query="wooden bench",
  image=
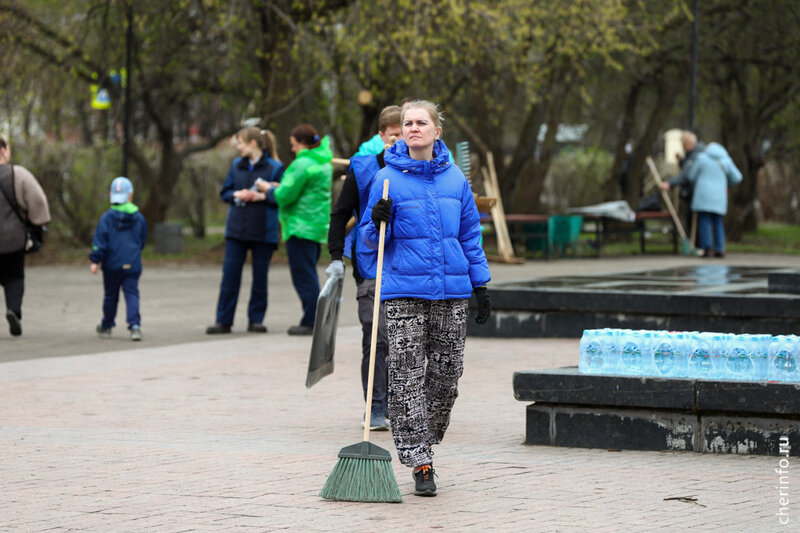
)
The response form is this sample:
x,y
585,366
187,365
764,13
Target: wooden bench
x,y
638,225
601,228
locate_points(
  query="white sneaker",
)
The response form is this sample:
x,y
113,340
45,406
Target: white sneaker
x,y
136,333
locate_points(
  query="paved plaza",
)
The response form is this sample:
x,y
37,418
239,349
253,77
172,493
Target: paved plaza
x,y
188,432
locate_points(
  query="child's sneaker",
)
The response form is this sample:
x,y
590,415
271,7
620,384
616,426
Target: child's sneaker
x,y
103,333
136,333
423,478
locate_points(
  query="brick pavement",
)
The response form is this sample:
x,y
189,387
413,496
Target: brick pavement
x,y
221,434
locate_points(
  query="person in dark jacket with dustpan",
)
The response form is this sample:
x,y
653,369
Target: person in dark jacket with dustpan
x,y
351,202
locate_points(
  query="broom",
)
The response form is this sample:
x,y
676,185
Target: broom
x,y
364,472
686,246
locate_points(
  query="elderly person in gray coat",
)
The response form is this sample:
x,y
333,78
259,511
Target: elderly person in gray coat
x,y
21,194
711,174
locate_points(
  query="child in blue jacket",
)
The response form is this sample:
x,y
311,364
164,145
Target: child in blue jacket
x,y
117,246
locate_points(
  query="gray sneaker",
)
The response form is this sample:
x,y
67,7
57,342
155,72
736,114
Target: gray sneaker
x,y
103,333
136,333
378,422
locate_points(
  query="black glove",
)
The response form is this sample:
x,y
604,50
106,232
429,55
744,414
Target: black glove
x,y
484,305
382,212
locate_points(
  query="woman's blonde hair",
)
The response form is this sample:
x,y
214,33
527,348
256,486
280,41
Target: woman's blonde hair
x,y
427,105
265,140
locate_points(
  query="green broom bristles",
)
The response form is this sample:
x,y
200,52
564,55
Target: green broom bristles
x,y
362,480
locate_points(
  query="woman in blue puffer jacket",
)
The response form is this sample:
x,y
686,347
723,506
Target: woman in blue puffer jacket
x,y
433,263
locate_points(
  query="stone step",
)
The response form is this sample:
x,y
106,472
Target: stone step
x,y
645,413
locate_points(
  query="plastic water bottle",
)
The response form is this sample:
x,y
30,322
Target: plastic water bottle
x,y
668,353
761,361
740,354
700,364
599,352
238,202
633,355
591,361
782,359
718,352
609,339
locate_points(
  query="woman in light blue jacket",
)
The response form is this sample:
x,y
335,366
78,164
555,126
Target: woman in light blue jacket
x,y
433,262
711,175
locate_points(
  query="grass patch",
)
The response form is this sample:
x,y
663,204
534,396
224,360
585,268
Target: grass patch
x,y
770,238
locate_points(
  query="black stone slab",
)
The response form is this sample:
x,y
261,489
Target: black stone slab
x,y
512,324
643,413
760,397
700,298
786,281
609,428
568,386
749,435
537,426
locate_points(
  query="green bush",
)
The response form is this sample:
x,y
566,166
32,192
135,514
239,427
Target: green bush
x,y
75,180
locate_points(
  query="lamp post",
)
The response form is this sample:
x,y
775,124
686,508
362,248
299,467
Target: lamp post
x,y
693,89
128,79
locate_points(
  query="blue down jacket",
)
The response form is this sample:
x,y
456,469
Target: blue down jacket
x,y
364,168
119,238
433,248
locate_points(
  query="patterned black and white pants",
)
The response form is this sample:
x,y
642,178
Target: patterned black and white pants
x,y
425,360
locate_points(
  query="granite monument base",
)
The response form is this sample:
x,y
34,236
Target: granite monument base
x,y
658,414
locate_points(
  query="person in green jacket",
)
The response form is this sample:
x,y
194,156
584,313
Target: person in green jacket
x,y
303,198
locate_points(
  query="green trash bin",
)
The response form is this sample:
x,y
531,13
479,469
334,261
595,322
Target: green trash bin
x,y
168,238
564,232
536,237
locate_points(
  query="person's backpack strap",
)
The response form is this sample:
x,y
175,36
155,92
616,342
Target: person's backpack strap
x,y
11,199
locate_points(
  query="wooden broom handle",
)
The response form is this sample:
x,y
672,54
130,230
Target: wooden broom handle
x,y
376,313
670,207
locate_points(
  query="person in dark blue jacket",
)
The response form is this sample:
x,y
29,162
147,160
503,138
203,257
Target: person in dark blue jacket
x,y
432,265
252,224
117,247
351,203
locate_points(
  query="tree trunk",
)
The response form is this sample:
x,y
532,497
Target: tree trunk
x,y
524,152
667,91
525,197
161,186
615,185
740,134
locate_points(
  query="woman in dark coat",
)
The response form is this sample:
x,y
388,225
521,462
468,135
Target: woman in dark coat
x,y
252,224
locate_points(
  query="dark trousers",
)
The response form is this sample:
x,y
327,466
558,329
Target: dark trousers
x,y
113,281
708,224
235,255
303,256
12,278
366,297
